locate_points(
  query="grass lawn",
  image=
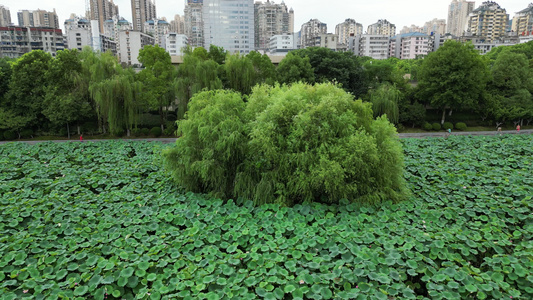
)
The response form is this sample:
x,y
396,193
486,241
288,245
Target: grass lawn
x,y
97,220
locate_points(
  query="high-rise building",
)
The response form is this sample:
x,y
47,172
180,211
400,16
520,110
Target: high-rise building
x,y
348,28
409,46
78,33
382,27
523,21
229,24
177,25
15,41
194,22
310,31
102,10
158,29
5,16
371,45
458,13
489,20
142,11
131,42
271,19
38,18
435,26
410,29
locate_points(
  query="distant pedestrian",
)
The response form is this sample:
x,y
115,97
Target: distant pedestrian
x,y
518,128
81,138
499,130
448,132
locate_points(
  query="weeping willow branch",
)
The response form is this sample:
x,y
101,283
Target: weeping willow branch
x,y
385,102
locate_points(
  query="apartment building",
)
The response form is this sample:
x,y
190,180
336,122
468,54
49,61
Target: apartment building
x,y
174,43
178,24
348,28
489,20
229,24
15,41
458,13
102,10
38,18
142,11
382,27
371,45
78,33
434,26
131,42
194,23
409,45
271,19
523,21
5,16
283,43
310,30
158,29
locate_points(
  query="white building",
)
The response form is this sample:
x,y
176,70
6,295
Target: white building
x,y
174,43
229,24
5,16
15,41
131,42
158,29
348,28
409,45
78,33
371,45
458,13
382,27
283,43
310,30
330,41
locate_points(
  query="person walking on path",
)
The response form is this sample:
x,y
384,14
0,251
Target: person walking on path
x,y
81,138
448,132
518,128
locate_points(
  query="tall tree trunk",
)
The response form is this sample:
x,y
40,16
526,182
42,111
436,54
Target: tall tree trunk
x,y
450,114
79,128
128,132
68,131
443,116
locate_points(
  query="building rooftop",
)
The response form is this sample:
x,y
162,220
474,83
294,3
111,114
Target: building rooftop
x,y
486,6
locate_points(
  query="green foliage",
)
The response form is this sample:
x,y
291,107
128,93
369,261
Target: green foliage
x,y
5,77
294,68
339,67
145,131
460,126
447,125
9,135
157,77
169,131
218,54
436,126
427,126
27,88
414,113
454,77
136,132
26,134
385,102
85,219
240,74
323,147
264,68
379,72
156,131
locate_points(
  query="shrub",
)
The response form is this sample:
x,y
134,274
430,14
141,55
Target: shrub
x,y
1,135
119,132
26,133
169,131
156,131
9,135
435,126
460,126
288,145
428,126
136,132
145,131
447,125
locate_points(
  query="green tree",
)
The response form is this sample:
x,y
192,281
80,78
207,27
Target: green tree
x,y
240,74
264,68
384,71
194,75
453,77
66,99
27,88
385,102
218,54
118,100
294,68
157,78
511,87
342,67
5,77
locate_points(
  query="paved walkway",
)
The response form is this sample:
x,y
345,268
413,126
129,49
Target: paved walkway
x,y
402,135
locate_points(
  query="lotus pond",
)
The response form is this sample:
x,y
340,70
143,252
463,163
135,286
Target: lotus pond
x,y
103,220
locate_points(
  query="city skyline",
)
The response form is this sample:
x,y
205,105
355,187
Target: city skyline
x,y
412,12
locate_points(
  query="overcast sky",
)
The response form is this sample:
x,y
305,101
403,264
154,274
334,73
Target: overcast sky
x,y
400,13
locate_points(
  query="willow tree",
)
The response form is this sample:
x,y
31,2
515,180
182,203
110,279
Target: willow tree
x,y
118,100
385,102
194,75
240,74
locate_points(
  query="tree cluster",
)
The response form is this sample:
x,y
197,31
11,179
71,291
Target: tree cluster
x,y
42,94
